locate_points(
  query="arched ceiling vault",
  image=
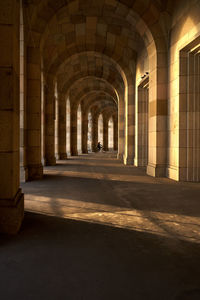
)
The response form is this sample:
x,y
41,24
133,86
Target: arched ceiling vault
x,y
81,90
103,104
105,27
94,82
70,31
91,96
145,17
89,65
98,99
100,106
107,109
97,39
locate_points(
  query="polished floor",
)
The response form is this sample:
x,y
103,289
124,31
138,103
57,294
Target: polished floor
x,y
96,229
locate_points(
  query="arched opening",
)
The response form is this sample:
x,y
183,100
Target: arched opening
x,y
89,144
68,127
100,129
110,134
79,124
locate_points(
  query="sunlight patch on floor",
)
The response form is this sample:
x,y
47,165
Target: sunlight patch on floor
x,y
171,225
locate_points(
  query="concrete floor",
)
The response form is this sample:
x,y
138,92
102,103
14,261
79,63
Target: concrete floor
x,y
95,229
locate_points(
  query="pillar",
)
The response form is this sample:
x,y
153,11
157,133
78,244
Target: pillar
x,y
129,152
34,165
121,121
84,131
11,196
49,95
73,130
141,155
105,132
62,127
23,98
94,132
158,111
115,133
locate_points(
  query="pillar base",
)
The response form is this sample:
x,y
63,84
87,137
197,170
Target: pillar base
x,y
156,170
12,213
62,156
51,161
85,151
173,172
128,160
74,153
35,172
120,156
139,162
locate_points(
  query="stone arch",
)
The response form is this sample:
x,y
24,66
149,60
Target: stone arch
x,y
143,20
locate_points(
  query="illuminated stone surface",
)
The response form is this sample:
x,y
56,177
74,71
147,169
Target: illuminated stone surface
x,y
68,67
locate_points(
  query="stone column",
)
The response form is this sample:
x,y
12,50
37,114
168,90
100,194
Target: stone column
x,y
23,98
49,95
73,128
158,111
94,132
115,133
141,155
11,197
105,132
34,165
84,131
129,125
62,127
121,127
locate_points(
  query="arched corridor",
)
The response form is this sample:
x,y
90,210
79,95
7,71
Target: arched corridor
x,y
76,66
125,73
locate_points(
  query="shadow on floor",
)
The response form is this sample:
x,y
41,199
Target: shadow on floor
x,y
53,258
155,195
